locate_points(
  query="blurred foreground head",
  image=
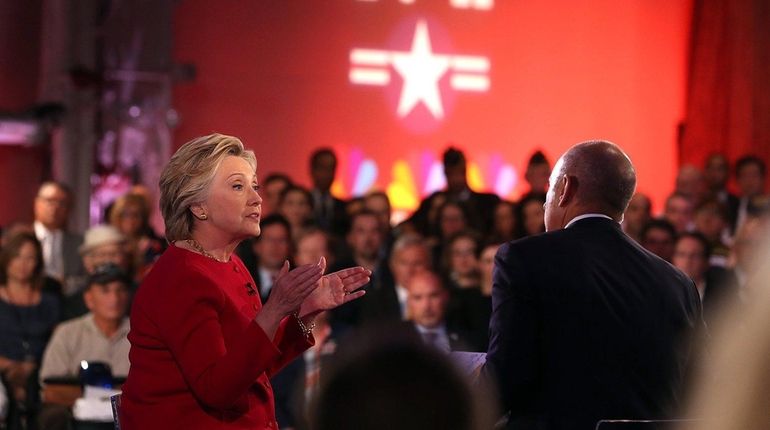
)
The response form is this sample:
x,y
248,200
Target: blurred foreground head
x,y
385,378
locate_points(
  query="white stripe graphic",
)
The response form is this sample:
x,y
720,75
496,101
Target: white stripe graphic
x,y
370,57
463,82
364,76
470,63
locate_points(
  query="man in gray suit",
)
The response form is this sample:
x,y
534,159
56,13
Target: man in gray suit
x,y
60,247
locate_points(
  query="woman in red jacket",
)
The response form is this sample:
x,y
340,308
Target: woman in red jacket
x,y
202,344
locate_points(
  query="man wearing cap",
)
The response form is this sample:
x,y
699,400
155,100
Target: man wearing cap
x,y
98,336
103,244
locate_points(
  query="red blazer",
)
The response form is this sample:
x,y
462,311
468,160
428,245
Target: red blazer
x,y
198,358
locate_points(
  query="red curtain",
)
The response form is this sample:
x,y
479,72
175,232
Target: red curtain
x,y
728,99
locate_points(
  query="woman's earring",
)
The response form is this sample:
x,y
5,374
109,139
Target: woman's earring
x,y
203,217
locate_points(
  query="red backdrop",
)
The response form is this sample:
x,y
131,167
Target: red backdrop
x,y
276,74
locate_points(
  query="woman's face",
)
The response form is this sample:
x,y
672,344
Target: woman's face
x,y
130,222
452,220
233,205
296,207
21,267
505,220
533,217
463,256
487,261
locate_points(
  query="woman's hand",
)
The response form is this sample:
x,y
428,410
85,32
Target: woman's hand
x,y
336,289
289,291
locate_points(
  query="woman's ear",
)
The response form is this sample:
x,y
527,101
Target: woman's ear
x,y
199,211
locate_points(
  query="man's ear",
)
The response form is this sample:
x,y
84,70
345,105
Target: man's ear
x,y
568,190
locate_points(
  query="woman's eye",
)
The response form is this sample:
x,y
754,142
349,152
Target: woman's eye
x,y
256,187
237,187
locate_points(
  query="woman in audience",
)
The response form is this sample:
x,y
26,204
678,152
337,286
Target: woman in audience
x,y
131,215
531,215
468,309
505,222
27,315
461,264
296,205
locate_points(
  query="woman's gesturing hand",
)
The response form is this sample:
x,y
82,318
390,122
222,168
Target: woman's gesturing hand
x,y
336,289
291,288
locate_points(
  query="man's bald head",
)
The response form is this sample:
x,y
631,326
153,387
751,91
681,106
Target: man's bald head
x,y
591,177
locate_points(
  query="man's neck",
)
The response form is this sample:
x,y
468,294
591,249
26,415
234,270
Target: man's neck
x,y
107,326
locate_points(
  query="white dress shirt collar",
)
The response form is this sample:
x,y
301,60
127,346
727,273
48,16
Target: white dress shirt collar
x,y
584,216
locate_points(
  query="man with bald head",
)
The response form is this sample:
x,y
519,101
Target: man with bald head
x,y
586,324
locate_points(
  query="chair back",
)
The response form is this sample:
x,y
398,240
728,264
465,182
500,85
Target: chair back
x,y
115,401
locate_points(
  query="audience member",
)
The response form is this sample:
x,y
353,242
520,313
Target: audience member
x,y
99,336
460,260
364,241
51,210
130,214
505,222
103,244
329,211
658,237
479,206
537,174
272,187
715,284
638,213
711,220
3,403
27,316
297,208
691,184
388,379
385,299
717,173
582,315
750,175
679,210
531,215
272,249
427,307
312,244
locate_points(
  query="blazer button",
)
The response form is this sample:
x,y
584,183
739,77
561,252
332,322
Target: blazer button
x,y
237,270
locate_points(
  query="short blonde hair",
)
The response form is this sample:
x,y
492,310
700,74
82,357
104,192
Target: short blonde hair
x,y
186,179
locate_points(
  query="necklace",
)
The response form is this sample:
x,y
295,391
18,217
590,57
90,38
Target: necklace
x,y
197,246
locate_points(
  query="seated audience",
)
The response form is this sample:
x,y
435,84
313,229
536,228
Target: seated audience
x,y
638,213
715,284
272,249
103,244
27,316
99,336
750,175
271,189
427,307
130,214
679,211
296,205
712,221
505,222
51,211
385,299
691,184
531,215
744,259
658,237
717,173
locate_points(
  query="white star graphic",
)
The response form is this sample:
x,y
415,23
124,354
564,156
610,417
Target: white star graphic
x,y
421,70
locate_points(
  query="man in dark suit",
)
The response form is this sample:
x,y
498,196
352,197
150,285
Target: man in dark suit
x,y
427,305
328,210
60,247
479,206
586,324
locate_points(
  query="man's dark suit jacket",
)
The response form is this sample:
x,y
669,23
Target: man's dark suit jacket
x,y
587,325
